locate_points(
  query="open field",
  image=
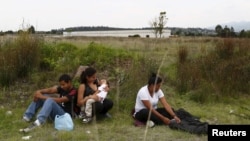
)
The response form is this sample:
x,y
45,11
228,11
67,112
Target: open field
x,y
160,55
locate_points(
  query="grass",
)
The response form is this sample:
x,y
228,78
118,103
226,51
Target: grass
x,y
119,128
134,59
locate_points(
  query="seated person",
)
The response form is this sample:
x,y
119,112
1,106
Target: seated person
x,y
89,86
99,96
50,106
146,104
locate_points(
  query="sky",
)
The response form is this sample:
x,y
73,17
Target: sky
x,y
46,15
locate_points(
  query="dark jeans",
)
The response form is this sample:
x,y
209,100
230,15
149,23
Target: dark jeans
x,y
102,108
143,114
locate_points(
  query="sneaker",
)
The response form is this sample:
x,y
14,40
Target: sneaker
x,y
31,127
86,119
26,119
107,115
150,124
82,115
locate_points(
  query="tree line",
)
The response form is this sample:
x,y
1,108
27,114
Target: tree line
x,y
157,25
229,32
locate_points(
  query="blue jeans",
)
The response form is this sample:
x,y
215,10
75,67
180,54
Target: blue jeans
x,y
49,109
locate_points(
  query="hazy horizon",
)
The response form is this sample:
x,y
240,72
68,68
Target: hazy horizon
x,y
47,15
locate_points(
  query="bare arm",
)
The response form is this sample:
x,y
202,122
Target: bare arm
x,y
149,106
61,99
81,100
168,108
80,94
39,94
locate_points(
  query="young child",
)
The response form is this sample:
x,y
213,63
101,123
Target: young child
x,y
86,110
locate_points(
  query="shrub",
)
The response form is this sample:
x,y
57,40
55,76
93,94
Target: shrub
x,y
55,55
134,36
102,57
19,57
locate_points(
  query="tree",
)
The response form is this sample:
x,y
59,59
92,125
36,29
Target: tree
x,y
232,32
20,31
226,31
218,30
242,33
162,22
154,25
158,24
31,29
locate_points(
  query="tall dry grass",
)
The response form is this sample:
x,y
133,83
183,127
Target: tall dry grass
x,y
223,71
19,56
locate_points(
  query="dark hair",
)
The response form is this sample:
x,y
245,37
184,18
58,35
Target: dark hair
x,y
154,79
87,72
65,77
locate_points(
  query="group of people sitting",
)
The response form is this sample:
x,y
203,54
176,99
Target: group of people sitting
x,y
85,101
91,101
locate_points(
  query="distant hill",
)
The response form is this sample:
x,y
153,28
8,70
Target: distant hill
x,y
238,26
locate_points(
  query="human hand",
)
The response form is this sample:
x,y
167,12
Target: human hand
x,y
177,119
166,121
35,99
37,96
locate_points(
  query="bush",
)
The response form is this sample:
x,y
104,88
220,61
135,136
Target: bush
x,y
103,57
135,36
19,57
55,55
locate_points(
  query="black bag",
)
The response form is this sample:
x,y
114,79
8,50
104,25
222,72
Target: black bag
x,y
189,123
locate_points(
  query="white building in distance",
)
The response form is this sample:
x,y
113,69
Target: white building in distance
x,y
118,33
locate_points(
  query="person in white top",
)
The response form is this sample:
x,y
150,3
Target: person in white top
x,y
100,95
146,104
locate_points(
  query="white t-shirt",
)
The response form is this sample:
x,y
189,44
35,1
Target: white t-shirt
x,y
144,94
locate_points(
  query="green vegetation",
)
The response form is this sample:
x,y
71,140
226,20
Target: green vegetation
x,y
19,57
224,71
208,77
